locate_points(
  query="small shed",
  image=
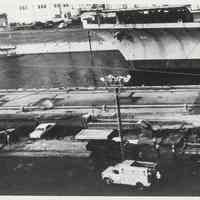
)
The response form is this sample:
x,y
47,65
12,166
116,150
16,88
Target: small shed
x,y
196,15
95,134
3,20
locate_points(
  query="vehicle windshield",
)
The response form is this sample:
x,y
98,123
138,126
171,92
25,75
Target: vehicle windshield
x,y
115,171
40,129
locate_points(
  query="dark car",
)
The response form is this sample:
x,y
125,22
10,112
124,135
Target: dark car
x,y
38,25
49,24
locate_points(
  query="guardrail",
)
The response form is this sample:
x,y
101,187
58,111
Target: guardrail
x,y
100,107
100,89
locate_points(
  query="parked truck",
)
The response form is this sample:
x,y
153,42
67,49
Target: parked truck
x,y
135,173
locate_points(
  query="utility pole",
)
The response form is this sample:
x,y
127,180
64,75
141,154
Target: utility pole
x,y
92,60
119,124
90,45
118,81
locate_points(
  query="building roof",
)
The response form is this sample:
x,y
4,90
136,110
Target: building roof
x,y
138,9
94,134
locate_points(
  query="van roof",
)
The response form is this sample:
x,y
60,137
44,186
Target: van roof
x,y
134,163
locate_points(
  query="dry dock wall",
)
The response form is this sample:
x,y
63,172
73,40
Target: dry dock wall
x,y
134,44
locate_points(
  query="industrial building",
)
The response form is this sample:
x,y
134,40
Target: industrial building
x,y
27,11
3,20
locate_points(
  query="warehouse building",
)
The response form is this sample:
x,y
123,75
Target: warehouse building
x,y
28,11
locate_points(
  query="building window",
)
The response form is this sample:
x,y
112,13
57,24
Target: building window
x,y
124,6
23,8
57,16
57,5
42,6
65,5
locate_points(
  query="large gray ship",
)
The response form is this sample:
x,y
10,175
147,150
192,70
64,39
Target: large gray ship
x,y
158,39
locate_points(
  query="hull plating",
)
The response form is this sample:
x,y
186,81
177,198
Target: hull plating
x,y
80,69
138,52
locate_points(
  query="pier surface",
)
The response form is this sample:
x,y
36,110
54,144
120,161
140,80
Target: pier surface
x,y
177,103
61,166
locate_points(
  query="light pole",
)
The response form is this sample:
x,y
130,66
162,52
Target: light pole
x,y
117,82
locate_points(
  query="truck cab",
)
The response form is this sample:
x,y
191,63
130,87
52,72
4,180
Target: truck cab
x,y
130,172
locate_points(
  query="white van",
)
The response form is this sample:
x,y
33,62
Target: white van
x,y
130,172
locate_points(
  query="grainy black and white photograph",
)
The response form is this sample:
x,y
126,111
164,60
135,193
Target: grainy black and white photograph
x,y
100,98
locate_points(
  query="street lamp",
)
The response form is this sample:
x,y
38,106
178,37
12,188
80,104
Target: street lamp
x,y
117,82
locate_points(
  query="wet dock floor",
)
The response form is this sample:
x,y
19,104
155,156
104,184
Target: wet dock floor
x,y
74,176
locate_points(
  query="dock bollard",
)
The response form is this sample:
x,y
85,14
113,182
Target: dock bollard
x,y
186,107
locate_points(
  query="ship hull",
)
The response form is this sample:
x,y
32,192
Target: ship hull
x,y
150,56
84,69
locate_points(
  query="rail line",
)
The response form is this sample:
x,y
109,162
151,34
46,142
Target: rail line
x,y
100,107
103,89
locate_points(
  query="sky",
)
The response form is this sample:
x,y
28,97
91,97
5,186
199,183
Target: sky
x,y
12,2
10,6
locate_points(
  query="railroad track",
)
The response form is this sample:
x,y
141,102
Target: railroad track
x,y
103,89
100,107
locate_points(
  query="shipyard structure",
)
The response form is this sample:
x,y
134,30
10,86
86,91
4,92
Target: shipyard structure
x,y
55,131
162,38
